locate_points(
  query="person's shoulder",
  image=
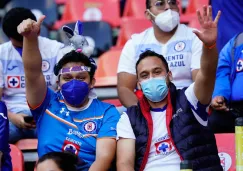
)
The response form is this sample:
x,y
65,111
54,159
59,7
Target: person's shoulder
x,y
138,37
49,43
103,105
187,31
4,48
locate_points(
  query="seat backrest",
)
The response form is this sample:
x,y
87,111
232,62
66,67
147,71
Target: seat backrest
x,y
27,144
97,31
226,149
106,74
47,7
17,158
93,10
134,8
193,5
130,26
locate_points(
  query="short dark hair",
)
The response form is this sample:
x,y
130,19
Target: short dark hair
x,y
13,18
148,4
150,53
74,56
64,160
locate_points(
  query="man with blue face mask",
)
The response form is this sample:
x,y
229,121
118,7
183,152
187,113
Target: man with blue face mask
x,y
176,42
70,119
170,125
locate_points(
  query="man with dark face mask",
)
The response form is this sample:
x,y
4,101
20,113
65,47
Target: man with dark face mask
x,y
176,42
69,119
169,125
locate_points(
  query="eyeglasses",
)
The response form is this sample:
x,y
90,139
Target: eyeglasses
x,y
160,5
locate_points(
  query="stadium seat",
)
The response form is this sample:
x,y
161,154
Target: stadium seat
x,y
115,102
106,74
27,144
191,9
226,148
98,31
59,2
91,10
136,8
17,158
129,26
46,7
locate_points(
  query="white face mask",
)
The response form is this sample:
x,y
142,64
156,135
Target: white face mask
x,y
167,20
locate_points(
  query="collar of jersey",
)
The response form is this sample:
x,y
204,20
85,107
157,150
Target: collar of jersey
x,y
158,109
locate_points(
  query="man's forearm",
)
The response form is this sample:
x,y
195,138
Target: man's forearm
x,y
206,76
100,165
124,167
32,58
127,97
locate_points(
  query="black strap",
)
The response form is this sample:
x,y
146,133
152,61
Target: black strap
x,y
238,41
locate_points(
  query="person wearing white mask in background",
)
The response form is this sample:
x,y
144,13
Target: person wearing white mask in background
x,y
176,42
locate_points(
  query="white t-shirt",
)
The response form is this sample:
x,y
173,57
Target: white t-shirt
x,y
12,78
182,52
162,155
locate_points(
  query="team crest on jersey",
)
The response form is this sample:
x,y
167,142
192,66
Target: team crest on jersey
x,y
239,66
71,147
13,81
164,147
90,126
45,66
180,46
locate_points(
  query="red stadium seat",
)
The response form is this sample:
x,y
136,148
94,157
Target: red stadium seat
x,y
115,102
60,2
136,8
17,158
131,26
91,10
226,148
106,74
27,144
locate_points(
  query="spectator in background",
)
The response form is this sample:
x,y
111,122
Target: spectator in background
x,y
81,124
5,159
180,46
12,79
231,22
57,161
228,95
170,125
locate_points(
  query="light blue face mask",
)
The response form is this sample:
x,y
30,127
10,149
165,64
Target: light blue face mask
x,y
155,89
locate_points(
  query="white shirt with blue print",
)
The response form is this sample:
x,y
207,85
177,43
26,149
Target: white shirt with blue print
x,y
12,78
182,52
162,155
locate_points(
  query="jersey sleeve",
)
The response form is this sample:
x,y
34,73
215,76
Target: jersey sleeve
x,y
127,59
39,110
124,128
199,110
108,128
4,128
196,53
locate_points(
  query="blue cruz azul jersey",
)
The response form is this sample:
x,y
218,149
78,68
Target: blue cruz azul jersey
x,y
62,129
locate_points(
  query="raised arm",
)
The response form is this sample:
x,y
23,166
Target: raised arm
x,y
204,83
34,79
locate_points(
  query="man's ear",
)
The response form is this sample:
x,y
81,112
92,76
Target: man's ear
x,y
139,86
148,15
92,83
58,85
170,76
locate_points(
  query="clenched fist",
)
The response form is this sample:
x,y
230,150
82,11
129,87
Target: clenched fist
x,y
30,28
